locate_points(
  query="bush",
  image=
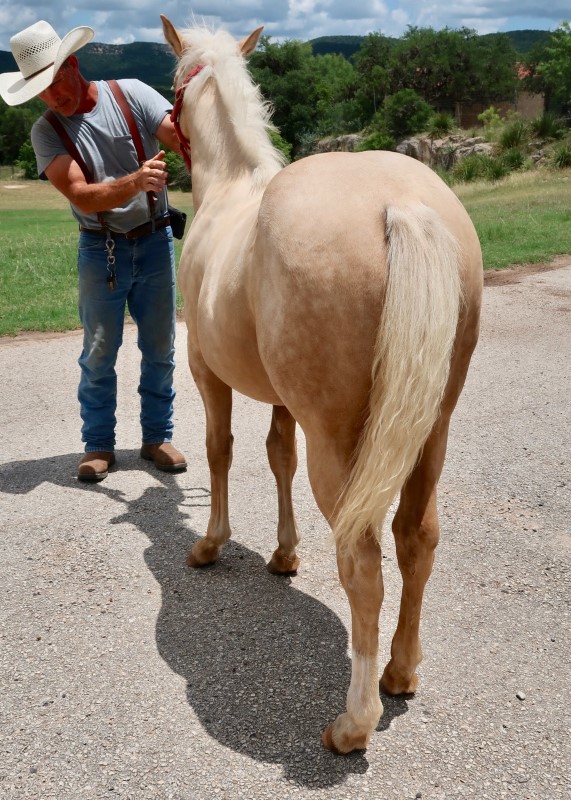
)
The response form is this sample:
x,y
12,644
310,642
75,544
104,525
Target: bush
x,y
513,158
561,156
494,169
280,144
470,168
404,112
179,175
26,161
491,121
547,126
440,124
446,175
513,135
377,141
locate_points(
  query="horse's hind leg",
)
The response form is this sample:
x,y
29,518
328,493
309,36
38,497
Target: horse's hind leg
x,y
217,398
416,532
360,573
282,455
361,576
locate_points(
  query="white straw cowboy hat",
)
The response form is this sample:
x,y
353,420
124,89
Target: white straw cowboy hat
x,y
39,53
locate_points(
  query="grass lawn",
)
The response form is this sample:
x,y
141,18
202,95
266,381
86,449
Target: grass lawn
x,y
38,262
526,218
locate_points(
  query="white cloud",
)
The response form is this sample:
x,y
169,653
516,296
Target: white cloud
x,y
138,20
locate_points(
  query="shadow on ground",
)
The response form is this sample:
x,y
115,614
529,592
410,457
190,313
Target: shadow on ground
x,y
266,665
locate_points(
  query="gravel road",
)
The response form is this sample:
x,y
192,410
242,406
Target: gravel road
x,y
125,675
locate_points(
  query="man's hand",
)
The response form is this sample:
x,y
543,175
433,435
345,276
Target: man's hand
x,y
152,175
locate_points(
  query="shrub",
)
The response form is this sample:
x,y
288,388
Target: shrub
x,y
494,169
179,175
26,161
377,141
446,175
513,135
470,168
405,112
561,156
280,144
513,158
491,121
440,124
547,126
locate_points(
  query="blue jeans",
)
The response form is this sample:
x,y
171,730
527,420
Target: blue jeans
x,y
146,285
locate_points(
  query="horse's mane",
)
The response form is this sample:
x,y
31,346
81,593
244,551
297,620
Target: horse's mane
x,y
248,112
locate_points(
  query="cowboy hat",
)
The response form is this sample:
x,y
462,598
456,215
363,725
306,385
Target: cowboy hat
x,y
39,53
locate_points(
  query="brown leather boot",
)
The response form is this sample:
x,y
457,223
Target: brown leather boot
x,y
164,456
95,466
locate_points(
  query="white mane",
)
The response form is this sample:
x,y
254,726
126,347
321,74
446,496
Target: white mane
x,y
248,113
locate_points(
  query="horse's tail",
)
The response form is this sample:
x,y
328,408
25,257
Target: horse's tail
x,y
410,368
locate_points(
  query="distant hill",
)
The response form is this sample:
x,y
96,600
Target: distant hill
x,y
150,62
343,45
523,41
153,62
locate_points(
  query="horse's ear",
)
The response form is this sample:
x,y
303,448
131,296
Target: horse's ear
x,y
249,44
172,36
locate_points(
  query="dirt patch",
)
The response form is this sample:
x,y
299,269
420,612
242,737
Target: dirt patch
x,y
502,277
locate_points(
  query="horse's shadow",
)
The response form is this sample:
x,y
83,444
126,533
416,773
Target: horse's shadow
x,y
265,665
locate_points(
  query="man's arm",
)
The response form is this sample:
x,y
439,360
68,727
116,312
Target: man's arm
x,y
166,135
90,198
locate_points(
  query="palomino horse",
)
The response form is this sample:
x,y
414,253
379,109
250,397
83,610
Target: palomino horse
x,y
343,289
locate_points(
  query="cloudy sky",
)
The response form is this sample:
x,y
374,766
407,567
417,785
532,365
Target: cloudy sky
x,y
124,21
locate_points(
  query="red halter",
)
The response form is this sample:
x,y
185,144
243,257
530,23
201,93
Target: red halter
x,y
175,115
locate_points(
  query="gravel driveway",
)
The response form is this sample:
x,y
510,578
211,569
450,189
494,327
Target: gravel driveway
x,y
125,675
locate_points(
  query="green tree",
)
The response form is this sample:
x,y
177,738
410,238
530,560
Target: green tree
x,y
336,80
448,66
287,79
549,70
15,126
404,112
372,65
26,161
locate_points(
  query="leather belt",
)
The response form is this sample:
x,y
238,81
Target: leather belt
x,y
135,233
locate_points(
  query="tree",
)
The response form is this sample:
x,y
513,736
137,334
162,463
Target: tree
x,y
447,67
287,79
549,70
15,126
372,64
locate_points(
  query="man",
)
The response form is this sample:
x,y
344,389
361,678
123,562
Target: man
x,y
126,252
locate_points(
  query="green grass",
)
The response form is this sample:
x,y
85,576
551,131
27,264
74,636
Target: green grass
x,y
38,258
525,219
38,271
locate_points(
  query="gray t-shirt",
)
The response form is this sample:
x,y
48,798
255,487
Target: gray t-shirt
x,y
104,142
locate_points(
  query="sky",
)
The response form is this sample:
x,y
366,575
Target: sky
x,y
125,21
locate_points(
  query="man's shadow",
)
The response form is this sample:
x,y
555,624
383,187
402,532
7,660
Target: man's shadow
x,y
266,665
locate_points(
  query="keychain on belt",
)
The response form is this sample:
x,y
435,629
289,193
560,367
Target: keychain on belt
x,y
111,274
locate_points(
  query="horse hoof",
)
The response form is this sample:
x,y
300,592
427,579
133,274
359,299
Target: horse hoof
x,y
327,739
395,685
280,564
202,554
342,737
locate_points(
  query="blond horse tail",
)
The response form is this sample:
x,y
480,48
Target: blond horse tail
x,y
410,368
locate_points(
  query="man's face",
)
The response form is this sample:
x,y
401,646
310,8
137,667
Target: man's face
x,y
64,94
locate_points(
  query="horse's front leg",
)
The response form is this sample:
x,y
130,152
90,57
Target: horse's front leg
x,y
282,455
217,398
